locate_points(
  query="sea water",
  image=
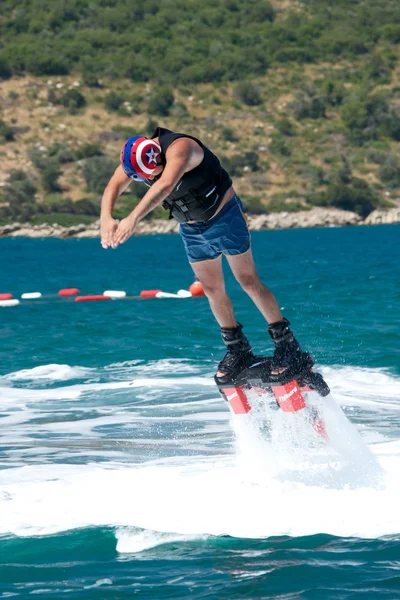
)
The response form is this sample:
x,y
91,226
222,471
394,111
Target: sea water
x,y
123,473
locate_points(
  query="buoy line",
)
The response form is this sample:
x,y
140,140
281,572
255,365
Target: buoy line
x,y
73,295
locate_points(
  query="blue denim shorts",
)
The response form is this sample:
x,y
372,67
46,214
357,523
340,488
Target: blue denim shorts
x,y
226,233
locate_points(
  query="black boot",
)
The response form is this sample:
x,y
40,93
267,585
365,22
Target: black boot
x,y
239,354
287,349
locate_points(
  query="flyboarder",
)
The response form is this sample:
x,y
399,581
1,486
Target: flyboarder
x,y
187,179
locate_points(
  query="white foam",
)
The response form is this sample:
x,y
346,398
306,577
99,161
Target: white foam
x,y
200,497
289,482
169,382
130,539
52,372
167,366
365,387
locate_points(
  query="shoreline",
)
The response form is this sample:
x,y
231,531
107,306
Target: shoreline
x,y
317,217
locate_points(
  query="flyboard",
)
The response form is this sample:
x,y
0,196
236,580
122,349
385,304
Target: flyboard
x,y
289,389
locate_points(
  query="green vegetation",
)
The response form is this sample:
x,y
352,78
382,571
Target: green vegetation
x,y
184,41
300,100
6,132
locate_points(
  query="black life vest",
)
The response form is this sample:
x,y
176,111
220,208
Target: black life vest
x,y
198,194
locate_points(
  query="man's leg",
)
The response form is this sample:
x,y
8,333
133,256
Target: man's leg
x,y
210,273
287,349
239,353
244,270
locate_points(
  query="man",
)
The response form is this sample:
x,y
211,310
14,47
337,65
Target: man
x,y
187,179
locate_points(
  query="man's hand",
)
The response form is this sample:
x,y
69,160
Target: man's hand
x,y
125,229
108,228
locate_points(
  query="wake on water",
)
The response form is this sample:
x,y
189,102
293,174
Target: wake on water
x,y
277,478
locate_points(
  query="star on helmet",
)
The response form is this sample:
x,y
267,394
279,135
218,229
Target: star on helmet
x,y
152,155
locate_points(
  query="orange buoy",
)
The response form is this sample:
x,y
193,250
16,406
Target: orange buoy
x,y
196,289
91,297
149,293
68,292
6,296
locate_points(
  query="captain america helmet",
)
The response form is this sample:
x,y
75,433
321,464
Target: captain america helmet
x,y
139,157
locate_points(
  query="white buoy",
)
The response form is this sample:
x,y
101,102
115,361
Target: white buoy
x,y
13,302
31,295
166,295
114,294
184,294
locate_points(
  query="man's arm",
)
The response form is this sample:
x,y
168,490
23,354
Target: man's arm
x,y
117,184
182,156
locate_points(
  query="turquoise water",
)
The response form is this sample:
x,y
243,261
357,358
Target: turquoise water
x,y
124,475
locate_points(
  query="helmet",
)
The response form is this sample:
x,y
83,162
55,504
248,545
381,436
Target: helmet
x,y
139,157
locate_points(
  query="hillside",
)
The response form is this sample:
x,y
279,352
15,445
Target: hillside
x,y
306,123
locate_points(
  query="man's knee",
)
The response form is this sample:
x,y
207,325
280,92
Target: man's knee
x,y
250,282
212,288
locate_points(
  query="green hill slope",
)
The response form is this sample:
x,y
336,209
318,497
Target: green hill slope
x,y
299,99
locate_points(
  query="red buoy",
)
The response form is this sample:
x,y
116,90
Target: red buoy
x,y
6,296
149,293
91,297
68,292
196,289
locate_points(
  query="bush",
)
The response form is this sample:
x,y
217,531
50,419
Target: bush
x,y
5,71
39,159
19,192
19,188
358,197
161,101
60,153
49,177
279,146
333,92
45,65
236,163
377,69
73,100
343,174
391,32
90,73
313,108
392,126
286,127
97,172
6,132
179,110
376,156
247,93
228,134
389,171
287,204
113,101
88,151
85,206
55,204
254,205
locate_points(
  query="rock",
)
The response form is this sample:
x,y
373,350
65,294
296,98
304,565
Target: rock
x,y
7,229
317,217
72,231
378,217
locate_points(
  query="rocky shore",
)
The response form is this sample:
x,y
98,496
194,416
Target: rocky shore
x,y
317,217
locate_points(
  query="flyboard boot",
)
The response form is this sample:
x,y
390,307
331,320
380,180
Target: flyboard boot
x,y
287,349
287,376
238,355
